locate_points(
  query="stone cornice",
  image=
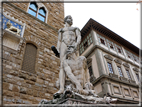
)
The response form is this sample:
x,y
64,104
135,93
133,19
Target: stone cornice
x,y
107,51
114,79
31,16
126,100
92,24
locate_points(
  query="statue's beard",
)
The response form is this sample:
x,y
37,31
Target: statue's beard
x,y
69,22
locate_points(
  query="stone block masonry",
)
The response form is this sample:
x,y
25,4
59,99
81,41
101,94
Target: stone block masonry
x,y
22,87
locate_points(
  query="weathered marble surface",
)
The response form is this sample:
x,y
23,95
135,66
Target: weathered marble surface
x,y
74,69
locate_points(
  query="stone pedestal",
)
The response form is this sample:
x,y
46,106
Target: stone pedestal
x,y
74,101
69,102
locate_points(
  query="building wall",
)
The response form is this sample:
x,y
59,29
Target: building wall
x,y
101,53
22,87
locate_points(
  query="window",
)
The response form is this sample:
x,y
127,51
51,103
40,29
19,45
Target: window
x,y
85,43
111,46
129,54
33,9
110,67
136,58
41,14
29,58
128,74
119,50
137,75
102,41
120,71
37,11
90,71
89,64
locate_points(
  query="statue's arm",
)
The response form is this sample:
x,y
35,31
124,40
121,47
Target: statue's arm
x,y
87,76
59,41
78,34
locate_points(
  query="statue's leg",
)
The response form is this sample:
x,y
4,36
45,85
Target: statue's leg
x,y
62,73
61,80
72,77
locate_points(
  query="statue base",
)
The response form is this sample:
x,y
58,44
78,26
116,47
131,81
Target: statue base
x,y
72,102
67,101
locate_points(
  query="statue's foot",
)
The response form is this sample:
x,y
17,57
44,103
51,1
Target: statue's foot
x,y
58,93
80,91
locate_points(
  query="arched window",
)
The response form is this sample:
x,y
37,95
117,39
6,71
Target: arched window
x,y
38,10
33,9
29,58
41,14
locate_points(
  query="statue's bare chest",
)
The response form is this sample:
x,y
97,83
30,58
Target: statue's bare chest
x,y
68,31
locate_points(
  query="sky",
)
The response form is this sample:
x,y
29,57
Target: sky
x,y
121,18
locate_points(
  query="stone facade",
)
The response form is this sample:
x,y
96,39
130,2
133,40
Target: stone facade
x,y
22,87
113,70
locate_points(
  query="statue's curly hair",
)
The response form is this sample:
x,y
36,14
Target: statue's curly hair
x,y
67,17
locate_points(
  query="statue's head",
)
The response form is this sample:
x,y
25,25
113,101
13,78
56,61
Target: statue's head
x,y
8,24
68,19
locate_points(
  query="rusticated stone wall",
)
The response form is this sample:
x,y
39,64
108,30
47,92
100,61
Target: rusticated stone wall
x,y
22,87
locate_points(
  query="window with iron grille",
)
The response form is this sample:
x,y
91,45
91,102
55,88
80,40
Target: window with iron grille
x,y
85,43
110,67
90,71
129,54
120,71
128,74
29,58
101,39
34,10
118,48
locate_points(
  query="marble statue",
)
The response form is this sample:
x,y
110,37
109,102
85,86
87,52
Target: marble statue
x,y
68,37
73,68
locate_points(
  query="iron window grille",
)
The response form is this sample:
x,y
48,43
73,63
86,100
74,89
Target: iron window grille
x,y
128,74
110,67
120,71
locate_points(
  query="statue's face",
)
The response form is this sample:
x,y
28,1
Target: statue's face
x,y
8,25
69,20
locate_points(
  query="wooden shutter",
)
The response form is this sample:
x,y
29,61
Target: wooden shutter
x,y
29,58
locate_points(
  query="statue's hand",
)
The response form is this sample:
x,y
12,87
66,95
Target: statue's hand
x,y
88,86
75,46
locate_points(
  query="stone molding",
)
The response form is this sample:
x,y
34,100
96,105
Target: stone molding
x,y
33,39
126,65
105,50
7,15
136,69
132,81
113,79
123,79
118,61
108,57
113,75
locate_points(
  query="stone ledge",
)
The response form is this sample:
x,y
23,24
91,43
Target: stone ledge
x,y
114,79
113,75
123,79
